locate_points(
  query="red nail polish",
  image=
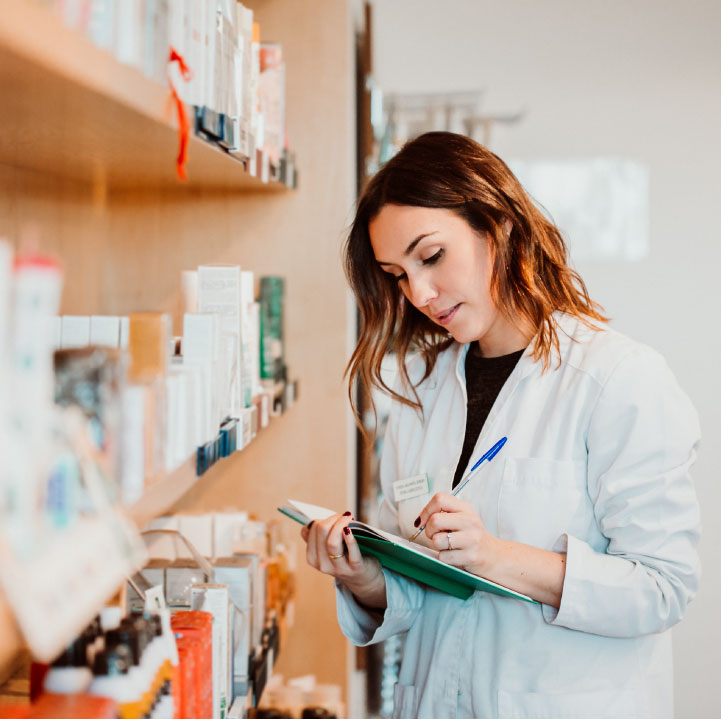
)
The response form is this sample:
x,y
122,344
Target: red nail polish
x,y
346,530
347,513
417,521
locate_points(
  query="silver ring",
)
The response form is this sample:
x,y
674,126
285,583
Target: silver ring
x,y
450,544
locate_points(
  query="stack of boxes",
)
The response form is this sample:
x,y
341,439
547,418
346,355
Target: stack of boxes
x,y
237,83
246,584
206,392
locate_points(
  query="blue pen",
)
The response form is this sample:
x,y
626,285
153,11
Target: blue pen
x,y
489,455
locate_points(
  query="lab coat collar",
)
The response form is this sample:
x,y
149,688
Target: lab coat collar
x,y
567,327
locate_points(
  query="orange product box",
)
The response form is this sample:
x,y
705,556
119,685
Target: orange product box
x,y
186,705
199,625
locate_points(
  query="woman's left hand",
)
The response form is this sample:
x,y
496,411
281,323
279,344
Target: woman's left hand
x,y
458,533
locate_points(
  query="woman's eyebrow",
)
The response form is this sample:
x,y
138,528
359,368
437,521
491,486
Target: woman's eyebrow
x,y
412,246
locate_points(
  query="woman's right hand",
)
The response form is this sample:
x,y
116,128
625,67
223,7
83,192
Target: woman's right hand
x,y
332,549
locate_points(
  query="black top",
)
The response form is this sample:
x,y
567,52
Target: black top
x,y
484,379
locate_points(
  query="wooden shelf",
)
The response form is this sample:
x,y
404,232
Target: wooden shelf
x,y
163,493
72,111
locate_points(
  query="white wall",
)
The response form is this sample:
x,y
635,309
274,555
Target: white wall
x,y
640,79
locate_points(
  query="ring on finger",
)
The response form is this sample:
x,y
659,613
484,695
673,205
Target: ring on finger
x,y
450,544
335,557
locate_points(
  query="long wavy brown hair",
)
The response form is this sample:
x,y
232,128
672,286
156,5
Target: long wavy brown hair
x,y
530,278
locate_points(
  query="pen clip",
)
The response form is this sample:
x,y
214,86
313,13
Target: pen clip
x,y
494,450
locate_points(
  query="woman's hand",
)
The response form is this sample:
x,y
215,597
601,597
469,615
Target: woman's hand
x,y
332,549
459,535
462,540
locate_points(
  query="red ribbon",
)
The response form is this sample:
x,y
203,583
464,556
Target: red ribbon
x,y
183,124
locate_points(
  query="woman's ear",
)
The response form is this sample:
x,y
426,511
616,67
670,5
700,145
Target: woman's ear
x,y
507,227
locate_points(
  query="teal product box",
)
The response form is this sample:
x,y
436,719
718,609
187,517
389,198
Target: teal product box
x,y
272,354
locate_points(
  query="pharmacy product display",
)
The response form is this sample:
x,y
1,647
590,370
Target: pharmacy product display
x,y
97,411
201,628
212,54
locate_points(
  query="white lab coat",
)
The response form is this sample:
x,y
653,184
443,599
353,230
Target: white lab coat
x,y
596,465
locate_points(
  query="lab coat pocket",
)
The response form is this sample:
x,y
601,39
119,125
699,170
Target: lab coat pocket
x,y
614,703
405,703
540,499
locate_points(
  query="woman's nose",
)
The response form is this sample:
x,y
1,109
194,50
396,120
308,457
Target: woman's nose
x,y
420,291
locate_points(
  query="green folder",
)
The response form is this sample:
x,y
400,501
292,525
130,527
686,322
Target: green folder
x,y
413,561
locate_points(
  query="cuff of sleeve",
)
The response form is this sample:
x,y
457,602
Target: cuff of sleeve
x,y
363,627
588,573
564,614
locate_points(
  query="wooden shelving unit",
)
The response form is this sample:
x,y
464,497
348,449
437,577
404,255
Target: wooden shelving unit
x,y
71,110
87,160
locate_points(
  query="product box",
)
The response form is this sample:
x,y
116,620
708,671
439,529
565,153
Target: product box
x,y
132,438
237,574
124,333
245,432
272,99
201,399
75,331
245,41
152,575
184,429
248,359
266,403
105,330
227,529
219,292
202,346
215,599
174,421
272,291
180,577
258,591
198,529
148,344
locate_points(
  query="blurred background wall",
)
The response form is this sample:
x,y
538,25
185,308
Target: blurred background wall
x,y
624,84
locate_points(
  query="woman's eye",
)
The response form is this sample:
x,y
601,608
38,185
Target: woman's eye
x,y
434,258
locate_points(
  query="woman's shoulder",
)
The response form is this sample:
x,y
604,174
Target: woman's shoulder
x,y
601,350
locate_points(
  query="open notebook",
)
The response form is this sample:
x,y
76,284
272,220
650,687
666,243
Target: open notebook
x,y
404,557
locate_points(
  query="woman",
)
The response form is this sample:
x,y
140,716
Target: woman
x,y
588,508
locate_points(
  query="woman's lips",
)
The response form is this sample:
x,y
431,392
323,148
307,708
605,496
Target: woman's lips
x,y
449,315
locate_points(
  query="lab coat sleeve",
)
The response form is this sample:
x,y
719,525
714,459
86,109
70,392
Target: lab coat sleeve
x,y
642,440
404,597
365,627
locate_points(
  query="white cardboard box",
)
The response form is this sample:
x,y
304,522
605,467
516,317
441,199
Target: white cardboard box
x,y
198,529
105,330
219,292
237,574
215,599
75,331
